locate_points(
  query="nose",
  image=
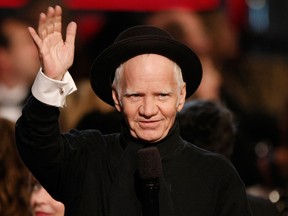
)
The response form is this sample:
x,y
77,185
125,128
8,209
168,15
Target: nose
x,y
149,107
38,197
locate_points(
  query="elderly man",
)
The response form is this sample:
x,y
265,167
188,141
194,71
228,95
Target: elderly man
x,y
146,75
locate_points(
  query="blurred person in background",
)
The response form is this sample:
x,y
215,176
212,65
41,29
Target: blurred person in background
x,y
42,203
14,176
19,63
253,88
211,125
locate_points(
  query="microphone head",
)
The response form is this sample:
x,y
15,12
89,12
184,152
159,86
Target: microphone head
x,y
150,165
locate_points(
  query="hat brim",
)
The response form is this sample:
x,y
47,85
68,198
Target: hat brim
x,y
104,66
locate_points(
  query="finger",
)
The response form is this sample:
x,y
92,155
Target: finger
x,y
58,19
35,37
41,25
50,20
71,33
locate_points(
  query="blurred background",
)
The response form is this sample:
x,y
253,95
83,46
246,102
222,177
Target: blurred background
x,y
243,47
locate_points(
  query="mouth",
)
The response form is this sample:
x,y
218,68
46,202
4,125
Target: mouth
x,y
42,214
148,124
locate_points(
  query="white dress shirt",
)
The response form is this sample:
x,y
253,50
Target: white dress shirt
x,y
53,92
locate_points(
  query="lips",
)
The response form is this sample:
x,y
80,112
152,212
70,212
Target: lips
x,y
42,214
148,124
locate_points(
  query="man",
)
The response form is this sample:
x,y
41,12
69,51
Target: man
x,y
95,174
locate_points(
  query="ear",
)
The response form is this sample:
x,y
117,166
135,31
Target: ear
x,y
116,100
182,97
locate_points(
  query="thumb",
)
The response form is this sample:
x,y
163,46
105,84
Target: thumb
x,y
35,37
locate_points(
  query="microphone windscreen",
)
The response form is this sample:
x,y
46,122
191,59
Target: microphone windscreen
x,y
150,165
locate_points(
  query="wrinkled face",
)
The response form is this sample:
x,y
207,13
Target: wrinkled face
x,y
149,96
43,204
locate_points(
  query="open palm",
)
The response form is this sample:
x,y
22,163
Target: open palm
x,y
56,54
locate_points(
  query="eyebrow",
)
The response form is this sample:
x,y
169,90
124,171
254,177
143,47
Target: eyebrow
x,y
128,93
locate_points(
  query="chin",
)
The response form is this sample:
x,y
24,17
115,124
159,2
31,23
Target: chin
x,y
150,139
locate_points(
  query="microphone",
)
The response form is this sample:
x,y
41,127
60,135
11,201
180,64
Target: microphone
x,y
150,169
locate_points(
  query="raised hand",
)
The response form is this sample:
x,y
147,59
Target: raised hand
x,y
56,54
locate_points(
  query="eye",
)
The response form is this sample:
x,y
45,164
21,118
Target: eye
x,y
133,97
163,96
36,186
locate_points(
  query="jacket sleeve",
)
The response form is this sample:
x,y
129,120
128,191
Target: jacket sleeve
x,y
38,141
62,162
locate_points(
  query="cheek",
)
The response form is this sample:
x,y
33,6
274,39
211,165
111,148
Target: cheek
x,y
58,207
170,113
130,111
29,52
32,200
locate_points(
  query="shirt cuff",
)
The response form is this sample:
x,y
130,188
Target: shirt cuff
x,y
53,92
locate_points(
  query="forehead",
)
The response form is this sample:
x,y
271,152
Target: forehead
x,y
148,57
147,65
149,71
12,26
17,31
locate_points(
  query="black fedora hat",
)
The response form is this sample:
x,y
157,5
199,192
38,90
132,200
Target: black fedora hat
x,y
139,40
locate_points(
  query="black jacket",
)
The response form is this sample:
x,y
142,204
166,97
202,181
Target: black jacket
x,y
95,174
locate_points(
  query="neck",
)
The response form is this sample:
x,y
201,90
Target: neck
x,y
166,146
